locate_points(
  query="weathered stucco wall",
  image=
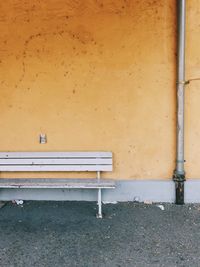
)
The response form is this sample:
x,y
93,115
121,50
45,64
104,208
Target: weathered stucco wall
x,y
93,75
192,151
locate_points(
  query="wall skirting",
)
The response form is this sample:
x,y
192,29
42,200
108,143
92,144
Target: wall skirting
x,y
143,190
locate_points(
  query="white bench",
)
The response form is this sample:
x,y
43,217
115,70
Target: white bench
x,y
58,162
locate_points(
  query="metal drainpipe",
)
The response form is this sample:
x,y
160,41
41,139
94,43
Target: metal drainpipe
x,y
179,172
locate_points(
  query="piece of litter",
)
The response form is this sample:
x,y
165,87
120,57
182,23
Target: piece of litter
x,y
109,202
19,202
136,199
160,207
148,202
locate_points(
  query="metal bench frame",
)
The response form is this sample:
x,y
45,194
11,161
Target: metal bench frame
x,y
58,162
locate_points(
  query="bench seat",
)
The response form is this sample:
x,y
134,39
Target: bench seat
x,y
56,183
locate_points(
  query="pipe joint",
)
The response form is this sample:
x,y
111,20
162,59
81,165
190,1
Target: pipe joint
x,y
178,177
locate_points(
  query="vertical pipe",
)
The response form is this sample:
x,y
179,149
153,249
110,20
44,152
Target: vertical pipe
x,y
179,173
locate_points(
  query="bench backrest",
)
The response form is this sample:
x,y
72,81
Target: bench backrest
x,y
55,161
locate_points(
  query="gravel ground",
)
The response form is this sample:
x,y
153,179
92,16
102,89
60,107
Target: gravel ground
x,y
68,234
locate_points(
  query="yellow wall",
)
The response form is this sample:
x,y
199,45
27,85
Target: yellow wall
x,y
192,141
96,75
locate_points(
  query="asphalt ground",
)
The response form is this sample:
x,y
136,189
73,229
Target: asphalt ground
x,y
68,234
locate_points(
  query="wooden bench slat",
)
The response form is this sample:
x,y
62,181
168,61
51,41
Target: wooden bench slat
x,y
53,161
54,168
4,155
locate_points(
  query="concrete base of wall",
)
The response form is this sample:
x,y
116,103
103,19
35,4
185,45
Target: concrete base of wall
x,y
142,190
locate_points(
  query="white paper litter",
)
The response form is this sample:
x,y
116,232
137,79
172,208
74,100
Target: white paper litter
x,y
19,202
109,202
161,207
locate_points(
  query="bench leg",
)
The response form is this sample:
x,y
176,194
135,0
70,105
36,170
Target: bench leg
x,y
99,215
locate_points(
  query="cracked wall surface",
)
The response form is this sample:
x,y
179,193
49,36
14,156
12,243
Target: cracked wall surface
x,y
92,75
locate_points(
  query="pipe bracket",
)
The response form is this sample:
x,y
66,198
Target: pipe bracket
x,y
183,82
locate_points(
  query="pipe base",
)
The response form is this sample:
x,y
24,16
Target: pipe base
x,y
179,180
179,187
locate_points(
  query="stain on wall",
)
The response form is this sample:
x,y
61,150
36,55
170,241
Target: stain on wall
x,y
92,75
